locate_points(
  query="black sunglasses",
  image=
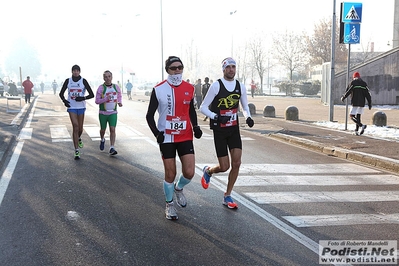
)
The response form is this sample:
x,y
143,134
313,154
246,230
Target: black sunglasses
x,y
176,67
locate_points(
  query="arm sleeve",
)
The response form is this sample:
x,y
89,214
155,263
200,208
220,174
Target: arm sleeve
x,y
89,90
152,108
99,99
348,91
210,95
119,94
244,102
193,114
63,89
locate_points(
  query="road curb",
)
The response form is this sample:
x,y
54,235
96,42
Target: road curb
x,y
381,162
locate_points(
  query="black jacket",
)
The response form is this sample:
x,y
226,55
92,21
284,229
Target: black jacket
x,y
359,93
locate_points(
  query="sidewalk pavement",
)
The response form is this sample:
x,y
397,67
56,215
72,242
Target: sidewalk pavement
x,y
377,152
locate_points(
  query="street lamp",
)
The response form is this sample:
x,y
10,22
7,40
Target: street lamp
x,y
161,43
232,32
133,74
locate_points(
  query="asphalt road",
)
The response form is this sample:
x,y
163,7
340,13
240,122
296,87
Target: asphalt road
x,y
104,210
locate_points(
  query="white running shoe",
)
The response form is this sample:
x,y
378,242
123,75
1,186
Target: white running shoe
x,y
180,198
170,211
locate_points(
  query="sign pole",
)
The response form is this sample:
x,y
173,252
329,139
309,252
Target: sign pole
x,y
332,75
351,18
347,84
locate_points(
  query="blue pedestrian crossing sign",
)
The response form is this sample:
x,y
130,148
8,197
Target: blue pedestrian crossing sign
x,y
351,13
351,33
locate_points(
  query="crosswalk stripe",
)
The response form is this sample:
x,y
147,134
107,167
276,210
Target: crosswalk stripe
x,y
255,175
59,132
313,180
342,219
92,130
323,196
211,138
301,169
54,111
298,169
128,131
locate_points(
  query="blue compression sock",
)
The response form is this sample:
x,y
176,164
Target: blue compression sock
x,y
182,181
168,189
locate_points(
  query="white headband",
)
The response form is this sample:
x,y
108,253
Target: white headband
x,y
228,62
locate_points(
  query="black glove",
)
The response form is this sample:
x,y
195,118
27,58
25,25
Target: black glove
x,y
223,119
197,132
160,137
250,122
80,98
342,99
370,107
66,103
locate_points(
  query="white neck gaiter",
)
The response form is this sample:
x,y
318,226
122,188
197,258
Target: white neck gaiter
x,y
175,80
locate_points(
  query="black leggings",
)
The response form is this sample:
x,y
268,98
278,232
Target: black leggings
x,y
357,120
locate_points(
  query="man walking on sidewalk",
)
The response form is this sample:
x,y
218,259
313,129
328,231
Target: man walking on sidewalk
x,y
359,93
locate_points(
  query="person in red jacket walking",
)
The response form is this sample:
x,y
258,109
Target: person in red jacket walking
x,y
28,86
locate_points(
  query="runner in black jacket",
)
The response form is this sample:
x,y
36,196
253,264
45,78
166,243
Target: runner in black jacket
x,y
359,93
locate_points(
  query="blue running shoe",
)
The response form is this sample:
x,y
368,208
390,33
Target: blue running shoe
x,y
206,177
229,202
102,143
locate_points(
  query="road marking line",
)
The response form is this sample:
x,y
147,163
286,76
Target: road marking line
x,y
19,115
26,133
342,219
7,174
322,196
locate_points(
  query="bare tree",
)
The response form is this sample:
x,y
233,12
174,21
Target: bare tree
x,y
259,59
319,44
290,50
366,53
243,63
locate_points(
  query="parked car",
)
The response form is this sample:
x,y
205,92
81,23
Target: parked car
x,y
12,89
147,86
